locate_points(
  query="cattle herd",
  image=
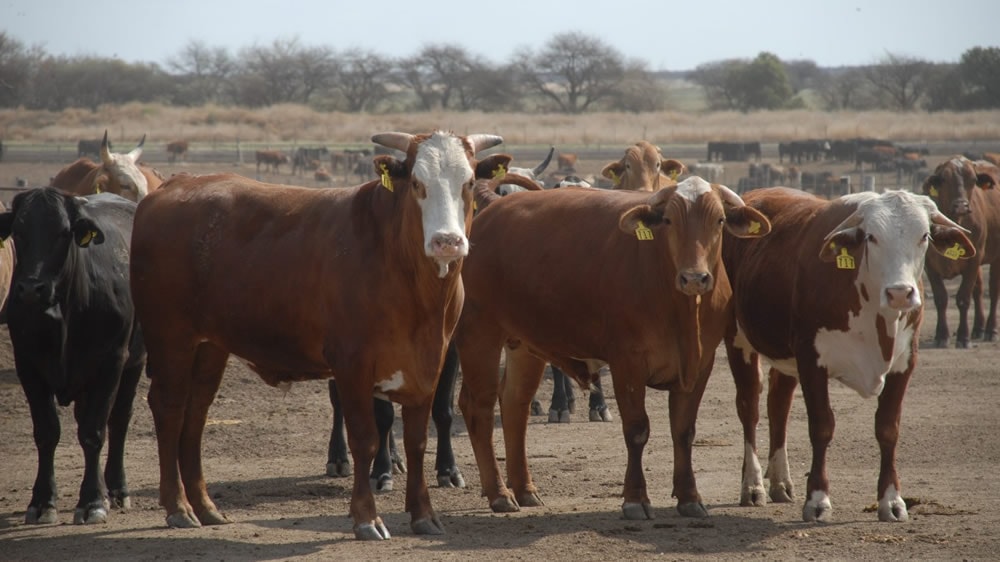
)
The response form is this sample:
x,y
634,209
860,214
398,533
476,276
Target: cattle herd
x,y
446,259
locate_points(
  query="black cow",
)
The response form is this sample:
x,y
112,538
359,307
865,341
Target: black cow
x,y
74,335
1,151
90,147
308,158
733,151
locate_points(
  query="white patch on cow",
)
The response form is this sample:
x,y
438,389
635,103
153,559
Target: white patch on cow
x,y
891,506
126,172
392,384
817,507
958,162
777,468
753,478
742,344
693,188
442,166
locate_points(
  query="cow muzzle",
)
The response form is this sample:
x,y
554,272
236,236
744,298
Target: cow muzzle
x,y
32,292
960,207
902,297
692,282
448,246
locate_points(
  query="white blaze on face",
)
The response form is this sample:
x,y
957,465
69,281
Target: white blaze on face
x,y
126,172
693,188
442,166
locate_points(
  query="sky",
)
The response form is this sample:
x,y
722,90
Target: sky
x,y
667,35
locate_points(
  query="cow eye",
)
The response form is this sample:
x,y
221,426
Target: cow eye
x,y
925,238
871,238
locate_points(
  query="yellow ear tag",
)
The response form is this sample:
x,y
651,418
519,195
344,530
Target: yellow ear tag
x,y
933,191
955,252
1,243
845,260
642,232
615,179
499,172
87,238
386,179
754,227
97,188
674,173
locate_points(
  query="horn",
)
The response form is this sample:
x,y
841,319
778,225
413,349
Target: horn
x,y
545,163
142,141
136,152
850,222
105,152
399,141
730,196
482,141
937,217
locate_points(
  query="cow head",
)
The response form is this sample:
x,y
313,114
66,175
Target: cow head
x,y
692,216
642,168
47,226
440,169
952,183
120,174
885,241
530,173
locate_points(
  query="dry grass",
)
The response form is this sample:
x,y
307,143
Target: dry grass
x,y
299,124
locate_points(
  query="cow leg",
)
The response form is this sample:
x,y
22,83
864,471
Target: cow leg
x,y
683,416
940,294
362,438
891,506
381,474
46,431
521,378
990,332
746,376
118,422
559,408
780,392
423,519
337,463
816,392
967,292
631,400
92,411
978,318
598,407
443,412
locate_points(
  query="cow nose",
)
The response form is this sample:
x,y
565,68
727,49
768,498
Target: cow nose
x,y
960,207
901,297
694,282
447,245
31,292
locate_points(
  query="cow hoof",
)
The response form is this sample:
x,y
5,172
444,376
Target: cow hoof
x,y
962,344
941,343
504,504
753,496
398,466
893,511
339,469
427,526
530,499
781,493
183,520
451,479
558,416
817,509
382,484
601,415
90,515
571,406
634,511
213,517
990,336
692,509
536,408
976,334
374,531
38,516
119,499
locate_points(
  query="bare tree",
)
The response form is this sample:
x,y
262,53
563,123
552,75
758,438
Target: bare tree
x,y
843,89
572,71
362,79
720,81
901,80
202,71
18,65
639,90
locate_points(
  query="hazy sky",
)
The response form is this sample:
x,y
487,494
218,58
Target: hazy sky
x,y
668,35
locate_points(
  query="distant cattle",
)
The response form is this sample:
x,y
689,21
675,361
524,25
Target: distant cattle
x,y
709,171
968,193
369,294
322,175
118,173
271,159
177,149
833,293
1,150
73,330
91,147
566,162
534,174
643,168
724,151
305,158
583,299
797,152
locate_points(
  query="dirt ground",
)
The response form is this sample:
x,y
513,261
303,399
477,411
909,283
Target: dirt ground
x,y
265,455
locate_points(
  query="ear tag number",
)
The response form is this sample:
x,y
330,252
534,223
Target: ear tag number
x,y
86,238
955,252
933,191
845,260
499,172
754,227
386,179
643,232
674,173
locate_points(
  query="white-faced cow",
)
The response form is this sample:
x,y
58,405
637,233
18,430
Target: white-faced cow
x,y
370,293
833,293
118,173
967,193
534,174
643,168
74,335
634,280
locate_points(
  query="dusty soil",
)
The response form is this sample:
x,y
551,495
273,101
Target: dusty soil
x,y
265,454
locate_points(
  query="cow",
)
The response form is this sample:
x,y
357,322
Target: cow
x,y
121,174
91,147
809,150
634,281
991,157
308,158
833,293
72,326
271,159
532,173
966,192
6,271
643,168
177,149
322,175
566,162
369,295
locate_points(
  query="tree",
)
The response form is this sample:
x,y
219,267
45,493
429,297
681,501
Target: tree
x,y
202,73
18,65
720,82
90,82
842,88
763,84
362,80
901,80
638,90
979,69
572,71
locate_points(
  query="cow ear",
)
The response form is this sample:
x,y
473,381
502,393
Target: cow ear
x,y
844,247
747,222
85,232
673,168
985,181
638,220
614,171
492,166
951,242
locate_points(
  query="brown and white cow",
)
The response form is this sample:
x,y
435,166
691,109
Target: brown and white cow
x,y
967,192
643,168
634,280
271,159
833,293
118,173
369,294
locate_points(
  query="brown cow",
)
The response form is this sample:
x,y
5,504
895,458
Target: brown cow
x,y
369,294
992,158
967,193
121,174
634,280
177,148
566,162
643,168
834,292
322,175
272,160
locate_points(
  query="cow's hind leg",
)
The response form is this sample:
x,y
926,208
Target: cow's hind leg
x,y
46,431
780,392
443,412
598,407
990,331
118,422
382,467
746,376
559,410
337,463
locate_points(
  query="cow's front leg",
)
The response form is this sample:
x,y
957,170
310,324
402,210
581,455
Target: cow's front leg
x,y
362,439
423,520
522,375
815,390
940,294
118,422
91,411
891,506
443,413
963,299
630,395
46,431
683,415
